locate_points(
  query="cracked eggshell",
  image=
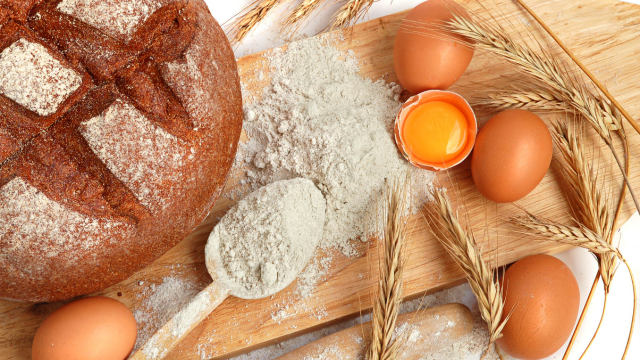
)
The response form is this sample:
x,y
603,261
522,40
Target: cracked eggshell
x,y
435,95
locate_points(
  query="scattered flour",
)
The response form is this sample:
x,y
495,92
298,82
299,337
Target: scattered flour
x,y
266,239
188,315
313,273
33,78
162,302
319,119
332,352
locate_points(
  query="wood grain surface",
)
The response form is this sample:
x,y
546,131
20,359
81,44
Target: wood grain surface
x,y
602,33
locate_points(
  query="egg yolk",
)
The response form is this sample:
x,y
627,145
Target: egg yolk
x,y
435,132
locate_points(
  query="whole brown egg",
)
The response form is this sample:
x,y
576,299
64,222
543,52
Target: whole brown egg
x,y
512,154
545,298
96,328
422,57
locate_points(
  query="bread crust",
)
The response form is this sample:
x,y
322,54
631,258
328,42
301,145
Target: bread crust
x,y
118,148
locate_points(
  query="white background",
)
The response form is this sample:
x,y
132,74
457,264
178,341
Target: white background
x,y
613,334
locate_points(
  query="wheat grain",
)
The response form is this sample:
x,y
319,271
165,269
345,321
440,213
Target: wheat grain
x,y
590,204
461,245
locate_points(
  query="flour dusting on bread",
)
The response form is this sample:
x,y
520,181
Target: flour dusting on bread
x,y
30,76
117,18
185,77
39,225
144,156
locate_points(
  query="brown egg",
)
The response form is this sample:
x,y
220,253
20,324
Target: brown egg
x,y
512,154
545,299
97,328
422,58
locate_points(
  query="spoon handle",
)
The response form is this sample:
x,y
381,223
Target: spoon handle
x,y
165,339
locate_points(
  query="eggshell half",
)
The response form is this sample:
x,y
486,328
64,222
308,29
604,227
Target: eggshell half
x,y
435,95
422,57
545,298
512,154
96,328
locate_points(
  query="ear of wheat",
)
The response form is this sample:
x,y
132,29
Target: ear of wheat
x,y
461,245
532,99
579,236
389,295
299,14
250,17
350,13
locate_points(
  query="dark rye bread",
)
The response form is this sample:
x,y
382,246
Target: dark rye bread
x,y
119,122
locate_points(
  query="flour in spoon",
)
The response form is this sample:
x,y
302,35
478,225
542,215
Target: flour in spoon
x,y
267,238
320,119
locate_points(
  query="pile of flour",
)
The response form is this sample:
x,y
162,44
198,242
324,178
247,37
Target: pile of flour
x,y
319,119
267,238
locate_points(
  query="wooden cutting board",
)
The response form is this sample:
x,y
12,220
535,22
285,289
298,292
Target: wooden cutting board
x,y
603,33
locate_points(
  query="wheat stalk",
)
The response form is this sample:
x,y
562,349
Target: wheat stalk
x,y
592,207
552,76
461,245
390,292
300,14
250,17
543,67
591,204
350,13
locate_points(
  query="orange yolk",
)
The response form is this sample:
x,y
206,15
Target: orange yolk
x,y
435,132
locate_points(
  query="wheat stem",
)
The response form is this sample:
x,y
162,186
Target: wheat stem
x,y
574,336
595,334
635,308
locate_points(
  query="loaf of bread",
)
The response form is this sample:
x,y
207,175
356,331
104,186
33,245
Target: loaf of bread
x,y
119,121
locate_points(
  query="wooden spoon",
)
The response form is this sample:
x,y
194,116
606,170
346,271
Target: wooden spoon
x,y
422,331
310,202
